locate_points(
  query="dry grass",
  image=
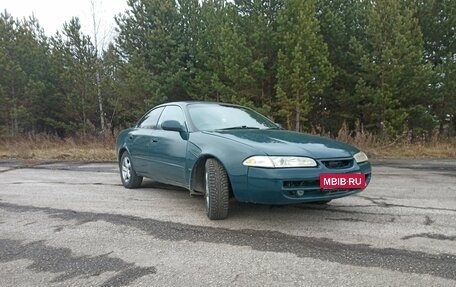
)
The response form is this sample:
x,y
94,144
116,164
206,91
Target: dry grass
x,y
443,150
402,147
46,147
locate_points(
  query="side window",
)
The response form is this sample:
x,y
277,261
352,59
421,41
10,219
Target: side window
x,y
172,113
150,120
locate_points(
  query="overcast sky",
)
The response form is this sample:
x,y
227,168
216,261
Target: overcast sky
x,y
51,14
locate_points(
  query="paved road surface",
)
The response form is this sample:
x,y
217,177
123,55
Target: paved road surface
x,y
73,224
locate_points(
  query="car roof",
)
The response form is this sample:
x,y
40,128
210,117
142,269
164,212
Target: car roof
x,y
186,103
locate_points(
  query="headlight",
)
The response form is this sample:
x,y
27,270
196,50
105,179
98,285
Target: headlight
x,y
360,157
279,161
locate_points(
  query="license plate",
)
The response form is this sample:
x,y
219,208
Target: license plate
x,y
342,180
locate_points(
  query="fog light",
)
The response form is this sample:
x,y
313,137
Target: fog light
x,y
299,192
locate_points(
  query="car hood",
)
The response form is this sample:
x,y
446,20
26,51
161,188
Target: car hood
x,y
287,143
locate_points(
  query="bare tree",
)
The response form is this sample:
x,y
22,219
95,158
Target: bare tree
x,y
97,68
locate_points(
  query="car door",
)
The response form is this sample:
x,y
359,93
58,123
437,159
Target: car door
x,y
141,141
170,148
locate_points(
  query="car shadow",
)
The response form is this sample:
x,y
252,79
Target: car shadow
x,y
148,184
337,210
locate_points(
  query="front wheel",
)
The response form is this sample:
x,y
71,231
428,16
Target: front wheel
x,y
127,174
217,190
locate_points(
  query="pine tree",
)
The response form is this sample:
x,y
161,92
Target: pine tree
x,y
303,66
258,24
438,21
395,79
26,84
208,81
76,58
343,26
149,44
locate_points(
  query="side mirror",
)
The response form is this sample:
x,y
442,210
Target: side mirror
x,y
172,125
279,125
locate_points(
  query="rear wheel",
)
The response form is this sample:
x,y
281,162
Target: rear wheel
x,y
217,190
127,174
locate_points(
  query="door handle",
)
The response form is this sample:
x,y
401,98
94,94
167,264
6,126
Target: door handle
x,y
130,137
154,140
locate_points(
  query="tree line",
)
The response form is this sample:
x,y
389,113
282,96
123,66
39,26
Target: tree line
x,y
388,66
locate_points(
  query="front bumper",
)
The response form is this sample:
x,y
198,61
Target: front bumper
x,y
286,185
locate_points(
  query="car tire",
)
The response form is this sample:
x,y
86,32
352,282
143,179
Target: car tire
x,y
217,190
127,174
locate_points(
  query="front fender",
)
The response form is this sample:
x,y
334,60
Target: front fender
x,y
231,154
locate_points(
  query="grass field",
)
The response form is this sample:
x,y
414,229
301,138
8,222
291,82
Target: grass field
x,y
45,147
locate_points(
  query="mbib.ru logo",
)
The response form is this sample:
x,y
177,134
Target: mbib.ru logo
x,y
338,180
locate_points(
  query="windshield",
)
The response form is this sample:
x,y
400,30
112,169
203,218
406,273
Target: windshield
x,y
208,117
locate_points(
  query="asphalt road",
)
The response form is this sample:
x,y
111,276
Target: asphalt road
x,y
73,224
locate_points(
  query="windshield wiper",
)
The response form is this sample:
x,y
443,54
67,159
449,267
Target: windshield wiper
x,y
240,128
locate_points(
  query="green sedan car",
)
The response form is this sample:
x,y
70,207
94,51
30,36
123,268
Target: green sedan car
x,y
223,150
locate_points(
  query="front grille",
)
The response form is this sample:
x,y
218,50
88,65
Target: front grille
x,y
338,164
